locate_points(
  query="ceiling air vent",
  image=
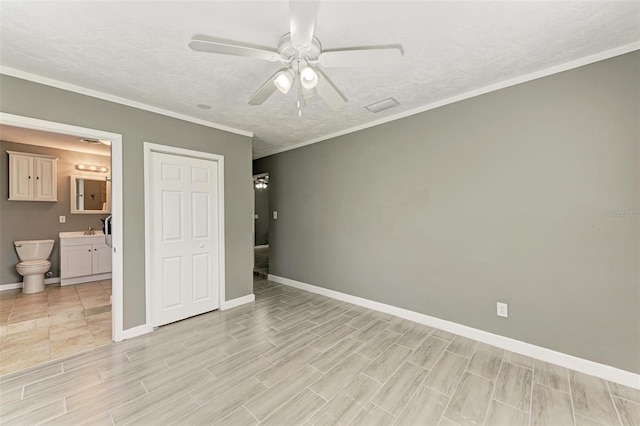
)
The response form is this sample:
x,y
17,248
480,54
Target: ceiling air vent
x,y
376,107
89,141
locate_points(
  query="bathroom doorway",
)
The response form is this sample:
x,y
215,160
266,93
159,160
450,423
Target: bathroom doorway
x,y
80,313
261,225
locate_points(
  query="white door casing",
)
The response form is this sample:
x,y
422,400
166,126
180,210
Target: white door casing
x,y
185,257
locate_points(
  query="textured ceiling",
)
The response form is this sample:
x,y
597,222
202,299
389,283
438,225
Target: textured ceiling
x,y
138,50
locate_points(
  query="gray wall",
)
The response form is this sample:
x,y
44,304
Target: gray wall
x,y
30,220
262,210
503,197
137,126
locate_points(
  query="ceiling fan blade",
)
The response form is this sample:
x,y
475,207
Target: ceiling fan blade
x,y
266,90
329,92
207,44
302,22
361,57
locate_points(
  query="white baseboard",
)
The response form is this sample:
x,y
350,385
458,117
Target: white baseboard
x,y
237,302
130,333
148,328
603,371
13,286
85,279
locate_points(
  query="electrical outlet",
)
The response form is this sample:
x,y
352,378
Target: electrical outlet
x,y
255,216
275,214
502,310
63,219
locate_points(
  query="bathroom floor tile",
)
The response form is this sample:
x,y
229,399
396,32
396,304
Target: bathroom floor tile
x,y
10,294
72,345
25,340
26,315
61,321
4,316
19,360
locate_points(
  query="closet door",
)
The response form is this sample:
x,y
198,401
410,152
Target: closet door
x,y
185,272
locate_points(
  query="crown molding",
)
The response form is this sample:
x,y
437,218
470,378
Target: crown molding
x,y
607,54
13,72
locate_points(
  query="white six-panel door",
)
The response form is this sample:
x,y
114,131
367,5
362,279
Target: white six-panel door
x,y
184,237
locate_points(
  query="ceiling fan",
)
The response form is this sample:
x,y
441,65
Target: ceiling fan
x,y
302,56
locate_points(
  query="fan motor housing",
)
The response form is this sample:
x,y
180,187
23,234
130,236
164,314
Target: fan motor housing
x,y
288,52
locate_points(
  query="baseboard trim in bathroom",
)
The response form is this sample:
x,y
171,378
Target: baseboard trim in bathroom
x,y
582,365
13,286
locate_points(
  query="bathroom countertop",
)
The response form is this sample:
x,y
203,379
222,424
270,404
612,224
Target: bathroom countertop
x,y
79,234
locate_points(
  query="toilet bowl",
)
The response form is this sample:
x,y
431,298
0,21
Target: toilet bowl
x,y
34,263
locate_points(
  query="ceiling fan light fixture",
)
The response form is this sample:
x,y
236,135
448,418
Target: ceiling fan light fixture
x,y
308,78
284,80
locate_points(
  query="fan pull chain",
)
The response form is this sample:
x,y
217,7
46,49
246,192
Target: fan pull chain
x,y
299,97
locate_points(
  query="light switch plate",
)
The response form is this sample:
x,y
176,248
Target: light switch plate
x,y
502,310
275,214
63,219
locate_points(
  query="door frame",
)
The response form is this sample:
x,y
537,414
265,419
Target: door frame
x,y
253,202
117,280
148,148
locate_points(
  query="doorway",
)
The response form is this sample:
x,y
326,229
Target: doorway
x,y
184,216
261,225
94,305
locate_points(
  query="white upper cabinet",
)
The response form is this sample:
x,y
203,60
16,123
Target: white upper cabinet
x,y
32,177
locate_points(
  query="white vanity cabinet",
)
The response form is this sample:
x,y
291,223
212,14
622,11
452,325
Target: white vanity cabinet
x,y
32,177
83,258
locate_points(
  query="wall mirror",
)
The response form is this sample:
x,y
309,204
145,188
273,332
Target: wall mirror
x,y
90,195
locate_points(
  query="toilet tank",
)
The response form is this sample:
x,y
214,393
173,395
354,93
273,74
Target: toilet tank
x,y
33,249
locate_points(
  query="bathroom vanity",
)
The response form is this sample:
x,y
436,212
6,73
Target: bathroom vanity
x,y
83,258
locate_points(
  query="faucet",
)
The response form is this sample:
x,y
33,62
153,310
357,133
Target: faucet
x,y
89,231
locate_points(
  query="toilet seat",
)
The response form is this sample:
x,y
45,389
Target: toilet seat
x,y
34,263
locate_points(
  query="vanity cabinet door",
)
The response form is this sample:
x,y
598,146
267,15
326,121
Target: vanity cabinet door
x,y
76,261
101,259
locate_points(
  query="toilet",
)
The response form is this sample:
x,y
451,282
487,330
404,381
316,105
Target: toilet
x,y
34,263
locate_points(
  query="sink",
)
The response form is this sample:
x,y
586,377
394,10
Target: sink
x,y
79,234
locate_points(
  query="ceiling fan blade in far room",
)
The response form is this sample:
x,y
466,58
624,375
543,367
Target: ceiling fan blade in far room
x,y
302,15
329,92
201,43
266,90
379,56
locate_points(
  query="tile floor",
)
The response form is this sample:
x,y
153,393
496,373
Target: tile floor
x,y
296,358
261,261
60,321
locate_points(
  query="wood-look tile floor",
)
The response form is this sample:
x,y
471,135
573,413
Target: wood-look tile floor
x,y
296,358
261,261
57,322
